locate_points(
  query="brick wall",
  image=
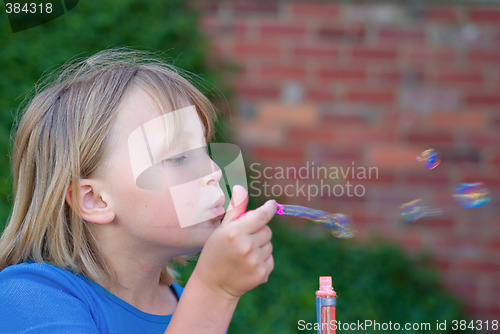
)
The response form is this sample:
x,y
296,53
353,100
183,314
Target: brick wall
x,y
372,85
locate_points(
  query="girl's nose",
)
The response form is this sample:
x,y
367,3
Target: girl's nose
x,y
214,176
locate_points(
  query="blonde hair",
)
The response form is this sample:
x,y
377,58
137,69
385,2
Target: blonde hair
x,y
62,137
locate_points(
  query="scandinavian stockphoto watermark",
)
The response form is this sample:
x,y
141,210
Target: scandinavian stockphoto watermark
x,y
374,326
310,180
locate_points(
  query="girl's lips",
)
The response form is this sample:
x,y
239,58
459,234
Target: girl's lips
x,y
218,211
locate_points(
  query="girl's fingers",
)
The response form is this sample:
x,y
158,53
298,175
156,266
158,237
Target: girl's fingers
x,y
256,219
267,250
263,236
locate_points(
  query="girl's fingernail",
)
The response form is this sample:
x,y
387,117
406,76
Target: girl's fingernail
x,y
239,195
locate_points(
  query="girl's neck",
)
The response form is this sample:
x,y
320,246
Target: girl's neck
x,y
139,285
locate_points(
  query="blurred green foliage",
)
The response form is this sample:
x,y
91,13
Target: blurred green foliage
x,y
167,26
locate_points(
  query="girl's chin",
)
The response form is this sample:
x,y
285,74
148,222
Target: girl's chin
x,y
209,224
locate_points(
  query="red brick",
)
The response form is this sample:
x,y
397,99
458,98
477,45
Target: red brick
x,y
427,179
395,75
478,266
484,140
251,132
434,222
426,138
256,90
363,219
442,264
257,7
495,159
318,50
320,93
496,81
385,75
282,72
485,15
337,120
490,312
484,56
444,246
429,55
457,76
315,10
284,114
441,14
342,73
278,153
402,34
337,154
321,134
461,286
360,136
411,243
390,157
482,98
494,245
341,33
378,177
256,50
457,120
393,118
373,53
281,29
368,95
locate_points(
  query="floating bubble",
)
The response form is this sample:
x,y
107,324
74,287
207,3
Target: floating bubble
x,y
472,195
415,210
335,220
339,224
429,158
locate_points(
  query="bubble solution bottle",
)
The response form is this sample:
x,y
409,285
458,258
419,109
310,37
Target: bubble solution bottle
x,y
326,301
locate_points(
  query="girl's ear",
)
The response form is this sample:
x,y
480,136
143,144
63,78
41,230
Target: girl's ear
x,y
92,203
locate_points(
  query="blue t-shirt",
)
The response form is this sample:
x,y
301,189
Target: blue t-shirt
x,y
42,298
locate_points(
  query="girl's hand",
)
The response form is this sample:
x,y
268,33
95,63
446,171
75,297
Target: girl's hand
x,y
237,257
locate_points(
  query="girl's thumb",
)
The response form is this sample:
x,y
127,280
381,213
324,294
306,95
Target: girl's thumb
x,y
237,204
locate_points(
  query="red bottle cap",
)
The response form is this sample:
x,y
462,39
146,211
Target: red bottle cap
x,y
325,287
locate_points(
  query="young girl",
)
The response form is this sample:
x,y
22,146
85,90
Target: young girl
x,y
86,247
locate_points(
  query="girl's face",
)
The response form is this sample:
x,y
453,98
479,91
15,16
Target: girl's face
x,y
162,190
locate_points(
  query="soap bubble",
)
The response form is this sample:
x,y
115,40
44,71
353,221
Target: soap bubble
x,y
429,158
339,224
472,195
415,210
335,220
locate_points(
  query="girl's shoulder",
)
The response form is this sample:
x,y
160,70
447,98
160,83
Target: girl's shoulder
x,y
41,283
37,274
35,295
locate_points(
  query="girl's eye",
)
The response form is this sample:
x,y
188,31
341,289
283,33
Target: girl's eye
x,y
177,161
